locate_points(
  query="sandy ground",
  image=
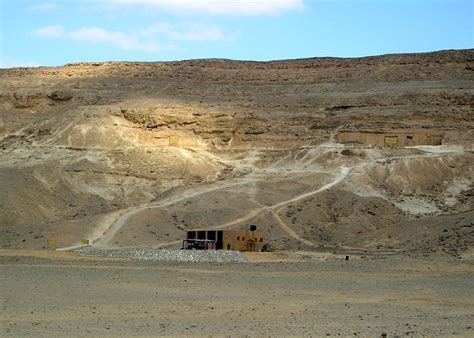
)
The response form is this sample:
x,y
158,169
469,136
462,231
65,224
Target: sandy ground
x,y
58,294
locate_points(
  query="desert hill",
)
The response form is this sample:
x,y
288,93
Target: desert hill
x,y
133,153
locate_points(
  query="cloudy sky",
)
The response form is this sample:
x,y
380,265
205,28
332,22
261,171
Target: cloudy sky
x,y
57,32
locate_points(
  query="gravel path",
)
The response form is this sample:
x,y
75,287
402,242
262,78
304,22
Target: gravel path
x,y
166,255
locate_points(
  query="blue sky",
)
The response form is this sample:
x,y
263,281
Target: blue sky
x,y
58,32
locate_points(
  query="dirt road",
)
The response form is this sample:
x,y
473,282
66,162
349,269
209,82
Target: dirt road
x,y
306,157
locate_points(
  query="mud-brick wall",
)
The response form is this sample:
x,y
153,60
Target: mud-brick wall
x,y
392,138
241,240
177,139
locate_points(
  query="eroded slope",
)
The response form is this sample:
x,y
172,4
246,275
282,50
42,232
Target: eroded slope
x,y
85,152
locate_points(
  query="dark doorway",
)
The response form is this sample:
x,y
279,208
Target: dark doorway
x,y
211,235
220,240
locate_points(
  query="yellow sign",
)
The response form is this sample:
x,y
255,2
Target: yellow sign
x,y
173,140
85,242
52,244
391,141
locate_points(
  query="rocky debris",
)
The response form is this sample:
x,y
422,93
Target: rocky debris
x,y
166,255
347,152
60,95
22,99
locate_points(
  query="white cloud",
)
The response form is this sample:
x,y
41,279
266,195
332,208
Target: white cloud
x,y
99,35
215,7
122,40
49,31
186,32
145,39
44,6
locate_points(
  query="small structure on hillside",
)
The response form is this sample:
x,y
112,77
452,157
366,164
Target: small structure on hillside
x,y
232,239
389,138
173,140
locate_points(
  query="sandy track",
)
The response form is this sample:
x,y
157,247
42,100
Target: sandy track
x,y
344,171
254,175
120,222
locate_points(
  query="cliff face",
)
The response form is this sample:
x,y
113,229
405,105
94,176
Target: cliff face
x,y
82,144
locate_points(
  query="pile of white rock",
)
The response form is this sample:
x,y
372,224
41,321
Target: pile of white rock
x,y
166,255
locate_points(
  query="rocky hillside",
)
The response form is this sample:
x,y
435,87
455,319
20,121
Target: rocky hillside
x,y
85,152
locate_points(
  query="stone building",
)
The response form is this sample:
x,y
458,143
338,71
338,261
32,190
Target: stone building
x,y
389,138
232,239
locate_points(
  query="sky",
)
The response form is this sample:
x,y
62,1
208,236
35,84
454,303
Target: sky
x,y
51,33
